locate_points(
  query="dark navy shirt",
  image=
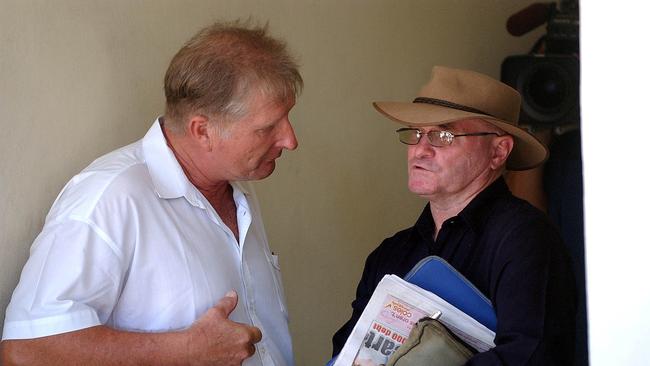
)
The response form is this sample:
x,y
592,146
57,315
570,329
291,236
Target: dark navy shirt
x,y
513,254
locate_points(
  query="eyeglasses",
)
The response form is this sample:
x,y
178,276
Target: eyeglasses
x,y
412,136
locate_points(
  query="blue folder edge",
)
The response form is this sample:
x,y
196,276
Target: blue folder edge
x,y
331,362
434,274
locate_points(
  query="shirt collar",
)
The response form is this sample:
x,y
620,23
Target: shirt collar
x,y
425,225
168,177
473,214
477,210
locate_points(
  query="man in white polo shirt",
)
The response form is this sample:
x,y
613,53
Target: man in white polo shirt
x,y
156,252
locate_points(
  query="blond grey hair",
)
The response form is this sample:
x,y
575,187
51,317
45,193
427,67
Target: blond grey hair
x,y
218,69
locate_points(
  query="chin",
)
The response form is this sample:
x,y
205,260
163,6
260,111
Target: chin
x,y
263,171
420,188
421,192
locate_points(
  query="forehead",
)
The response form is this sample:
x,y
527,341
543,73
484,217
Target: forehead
x,y
264,104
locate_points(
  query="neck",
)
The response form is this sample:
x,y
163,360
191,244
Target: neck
x,y
217,192
444,206
185,151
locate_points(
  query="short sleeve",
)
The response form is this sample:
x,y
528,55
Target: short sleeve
x,y
71,281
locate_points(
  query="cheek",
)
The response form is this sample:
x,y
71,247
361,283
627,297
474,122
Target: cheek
x,y
472,165
479,158
410,153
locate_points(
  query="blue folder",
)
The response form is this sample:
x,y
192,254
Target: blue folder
x,y
434,274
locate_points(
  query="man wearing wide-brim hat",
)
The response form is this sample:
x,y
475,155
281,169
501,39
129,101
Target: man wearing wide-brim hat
x,y
462,134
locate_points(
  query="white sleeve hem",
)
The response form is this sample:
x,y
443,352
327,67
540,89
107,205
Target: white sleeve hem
x,y
41,327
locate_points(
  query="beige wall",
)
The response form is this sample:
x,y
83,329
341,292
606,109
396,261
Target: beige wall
x,y
80,78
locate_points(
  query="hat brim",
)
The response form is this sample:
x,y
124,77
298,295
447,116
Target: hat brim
x,y
527,153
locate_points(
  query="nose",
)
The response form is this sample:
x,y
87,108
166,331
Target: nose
x,y
288,138
422,149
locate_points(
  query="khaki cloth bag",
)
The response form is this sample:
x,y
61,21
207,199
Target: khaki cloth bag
x,y
430,343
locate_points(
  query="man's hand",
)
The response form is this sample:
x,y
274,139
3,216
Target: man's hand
x,y
216,340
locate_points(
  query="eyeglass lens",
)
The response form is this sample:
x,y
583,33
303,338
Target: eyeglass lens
x,y
436,138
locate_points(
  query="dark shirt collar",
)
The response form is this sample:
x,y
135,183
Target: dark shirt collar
x,y
473,214
476,212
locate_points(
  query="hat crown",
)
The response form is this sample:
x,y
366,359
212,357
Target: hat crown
x,y
473,90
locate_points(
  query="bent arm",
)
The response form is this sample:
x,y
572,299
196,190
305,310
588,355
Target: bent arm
x,y
212,340
98,345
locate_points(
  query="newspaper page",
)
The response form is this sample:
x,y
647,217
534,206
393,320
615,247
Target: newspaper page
x,y
387,331
391,313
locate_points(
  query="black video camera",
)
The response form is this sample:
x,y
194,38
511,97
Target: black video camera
x,y
548,78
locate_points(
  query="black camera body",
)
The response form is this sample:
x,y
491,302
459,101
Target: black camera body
x,y
548,78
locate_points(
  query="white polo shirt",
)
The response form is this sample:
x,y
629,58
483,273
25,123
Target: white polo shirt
x,y
130,243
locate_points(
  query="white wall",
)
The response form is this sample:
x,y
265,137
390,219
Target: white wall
x,y
616,131
79,78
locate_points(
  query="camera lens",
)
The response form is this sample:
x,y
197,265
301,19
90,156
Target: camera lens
x,y
547,88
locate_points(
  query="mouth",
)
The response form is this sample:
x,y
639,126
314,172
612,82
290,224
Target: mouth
x,y
417,166
276,156
271,158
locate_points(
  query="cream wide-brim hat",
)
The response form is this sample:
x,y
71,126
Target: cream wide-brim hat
x,y
453,95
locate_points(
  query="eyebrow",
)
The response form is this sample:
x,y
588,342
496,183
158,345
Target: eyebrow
x,y
432,128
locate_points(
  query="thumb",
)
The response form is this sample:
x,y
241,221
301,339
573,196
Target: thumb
x,y
227,303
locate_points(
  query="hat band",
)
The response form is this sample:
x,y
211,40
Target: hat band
x,y
444,103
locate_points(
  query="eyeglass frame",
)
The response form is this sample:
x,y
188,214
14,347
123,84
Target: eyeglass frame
x,y
450,136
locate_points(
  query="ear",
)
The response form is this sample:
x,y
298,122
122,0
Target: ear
x,y
501,148
198,130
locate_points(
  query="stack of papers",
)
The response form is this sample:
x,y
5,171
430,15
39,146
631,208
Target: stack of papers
x,y
394,308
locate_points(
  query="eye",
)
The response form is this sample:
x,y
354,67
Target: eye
x,y
446,137
266,129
